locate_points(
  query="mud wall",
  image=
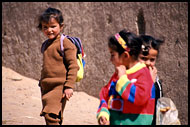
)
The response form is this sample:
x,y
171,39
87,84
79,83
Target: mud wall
x,y
94,23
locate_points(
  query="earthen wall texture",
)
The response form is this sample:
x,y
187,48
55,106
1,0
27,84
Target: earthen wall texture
x,y
93,23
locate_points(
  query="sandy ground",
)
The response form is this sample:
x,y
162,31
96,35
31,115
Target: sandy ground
x,y
21,103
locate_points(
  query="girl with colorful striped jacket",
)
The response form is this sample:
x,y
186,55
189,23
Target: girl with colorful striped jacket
x,y
129,96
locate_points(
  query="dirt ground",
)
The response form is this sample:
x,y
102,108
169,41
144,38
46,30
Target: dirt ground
x,y
21,103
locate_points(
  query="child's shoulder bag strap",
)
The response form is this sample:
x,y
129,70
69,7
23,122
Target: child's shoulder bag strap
x,y
61,40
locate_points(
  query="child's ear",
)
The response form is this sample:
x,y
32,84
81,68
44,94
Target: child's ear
x,y
126,54
62,25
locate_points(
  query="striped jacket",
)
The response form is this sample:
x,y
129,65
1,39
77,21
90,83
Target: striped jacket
x,y
132,94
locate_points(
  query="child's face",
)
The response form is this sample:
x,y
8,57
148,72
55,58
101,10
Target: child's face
x,y
150,59
115,58
51,29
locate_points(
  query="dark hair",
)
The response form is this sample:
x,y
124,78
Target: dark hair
x,y
149,42
132,41
48,14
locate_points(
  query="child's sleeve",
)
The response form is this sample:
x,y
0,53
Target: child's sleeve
x,y
103,107
137,91
70,51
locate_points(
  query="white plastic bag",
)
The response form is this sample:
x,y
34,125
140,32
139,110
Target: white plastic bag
x,y
166,114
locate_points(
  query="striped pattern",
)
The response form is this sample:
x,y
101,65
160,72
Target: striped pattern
x,y
129,119
122,83
103,110
132,93
137,91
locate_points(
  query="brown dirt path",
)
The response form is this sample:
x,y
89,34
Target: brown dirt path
x,y
21,103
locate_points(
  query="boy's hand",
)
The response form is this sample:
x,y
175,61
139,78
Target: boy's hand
x,y
153,72
103,121
68,92
120,70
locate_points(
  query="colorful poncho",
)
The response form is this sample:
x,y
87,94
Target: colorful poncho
x,y
129,100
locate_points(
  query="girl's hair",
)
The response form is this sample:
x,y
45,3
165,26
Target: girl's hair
x,y
48,14
149,42
132,41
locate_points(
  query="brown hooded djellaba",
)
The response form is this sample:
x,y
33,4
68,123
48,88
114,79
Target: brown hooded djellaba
x,y
56,74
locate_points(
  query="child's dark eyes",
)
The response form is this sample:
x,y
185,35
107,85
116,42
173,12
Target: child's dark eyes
x,y
53,26
45,27
152,60
144,58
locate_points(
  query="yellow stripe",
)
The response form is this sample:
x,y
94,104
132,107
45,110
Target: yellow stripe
x,y
135,68
123,79
122,42
109,101
121,82
105,114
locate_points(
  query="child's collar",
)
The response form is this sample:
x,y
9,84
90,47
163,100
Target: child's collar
x,y
135,68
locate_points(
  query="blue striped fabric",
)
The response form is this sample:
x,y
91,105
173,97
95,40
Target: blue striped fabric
x,y
132,93
102,101
153,94
112,90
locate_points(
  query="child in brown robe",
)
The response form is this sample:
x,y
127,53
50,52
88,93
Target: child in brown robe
x,y
58,76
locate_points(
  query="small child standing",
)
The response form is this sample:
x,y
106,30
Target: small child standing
x,y
57,77
129,96
148,55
